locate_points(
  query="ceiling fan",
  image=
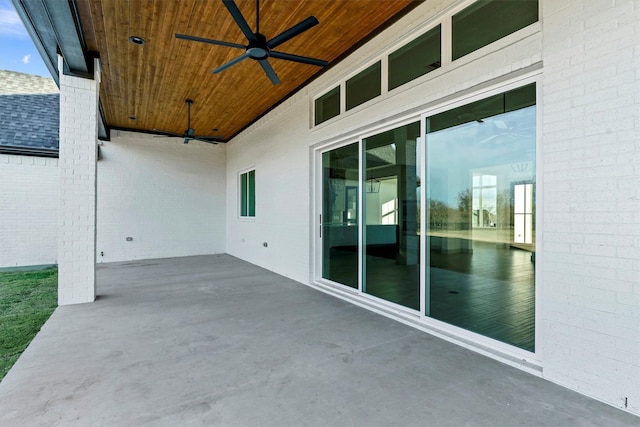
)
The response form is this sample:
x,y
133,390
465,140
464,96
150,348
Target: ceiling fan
x,y
259,48
190,133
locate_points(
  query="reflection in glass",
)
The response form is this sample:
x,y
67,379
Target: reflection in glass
x,y
340,215
392,200
481,217
523,213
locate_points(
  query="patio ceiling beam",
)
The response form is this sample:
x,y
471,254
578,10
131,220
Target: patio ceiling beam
x,y
54,27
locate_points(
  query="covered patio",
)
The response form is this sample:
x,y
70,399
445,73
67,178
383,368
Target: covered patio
x,y
213,340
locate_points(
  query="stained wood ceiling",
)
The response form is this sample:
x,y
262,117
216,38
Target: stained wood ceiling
x,y
151,82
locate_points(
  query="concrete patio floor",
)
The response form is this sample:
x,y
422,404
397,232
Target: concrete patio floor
x,y
212,340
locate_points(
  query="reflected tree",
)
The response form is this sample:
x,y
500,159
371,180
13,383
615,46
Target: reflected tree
x,y
438,215
464,209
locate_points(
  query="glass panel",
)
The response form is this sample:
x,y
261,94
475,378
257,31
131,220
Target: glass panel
x,y
251,196
243,194
392,240
486,21
364,86
340,215
327,106
415,59
480,230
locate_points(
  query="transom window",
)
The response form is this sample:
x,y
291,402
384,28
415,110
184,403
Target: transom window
x,y
486,21
363,86
480,24
327,106
415,59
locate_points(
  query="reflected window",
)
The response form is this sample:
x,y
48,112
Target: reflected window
x,y
481,217
484,201
523,213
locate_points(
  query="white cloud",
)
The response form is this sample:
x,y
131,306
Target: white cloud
x,y
10,23
26,58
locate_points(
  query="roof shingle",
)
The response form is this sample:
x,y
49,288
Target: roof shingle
x,y
29,111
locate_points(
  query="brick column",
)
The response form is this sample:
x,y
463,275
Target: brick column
x,y
77,167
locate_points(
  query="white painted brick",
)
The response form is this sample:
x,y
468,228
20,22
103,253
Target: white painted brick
x,y
168,196
596,170
76,209
29,194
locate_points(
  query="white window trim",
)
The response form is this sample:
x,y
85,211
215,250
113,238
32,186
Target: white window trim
x,y
443,18
239,193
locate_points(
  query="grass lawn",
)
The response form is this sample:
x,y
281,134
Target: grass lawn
x,y
27,299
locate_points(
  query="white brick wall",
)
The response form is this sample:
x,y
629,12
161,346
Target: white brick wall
x,y
590,316
167,196
77,203
282,196
588,54
28,210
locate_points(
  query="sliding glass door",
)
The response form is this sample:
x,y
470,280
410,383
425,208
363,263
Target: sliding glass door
x,y
475,166
339,218
391,209
481,211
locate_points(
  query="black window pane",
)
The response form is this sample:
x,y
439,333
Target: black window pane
x,y
415,59
489,20
364,86
327,106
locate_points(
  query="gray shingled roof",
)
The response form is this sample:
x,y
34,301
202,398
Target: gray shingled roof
x,y
29,112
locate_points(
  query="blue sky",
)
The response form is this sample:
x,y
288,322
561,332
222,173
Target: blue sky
x,y
17,52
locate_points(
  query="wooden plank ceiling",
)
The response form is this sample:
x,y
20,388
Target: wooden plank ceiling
x,y
151,82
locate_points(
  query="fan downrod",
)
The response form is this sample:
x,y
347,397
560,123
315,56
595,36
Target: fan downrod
x,y
258,47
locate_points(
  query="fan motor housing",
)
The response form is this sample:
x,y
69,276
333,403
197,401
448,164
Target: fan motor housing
x,y
258,50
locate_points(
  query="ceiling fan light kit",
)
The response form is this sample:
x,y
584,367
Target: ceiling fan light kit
x,y
259,48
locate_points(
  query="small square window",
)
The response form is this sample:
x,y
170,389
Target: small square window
x,y
327,106
364,86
